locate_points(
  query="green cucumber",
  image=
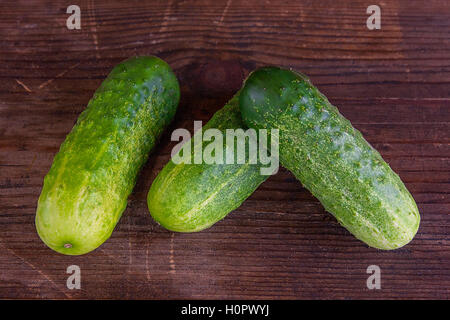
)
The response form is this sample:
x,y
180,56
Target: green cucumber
x,y
192,197
95,170
330,157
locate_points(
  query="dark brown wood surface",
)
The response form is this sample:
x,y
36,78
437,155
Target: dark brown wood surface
x,y
393,84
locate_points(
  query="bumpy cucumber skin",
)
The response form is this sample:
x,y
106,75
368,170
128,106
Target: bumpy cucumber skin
x,y
192,197
95,170
331,158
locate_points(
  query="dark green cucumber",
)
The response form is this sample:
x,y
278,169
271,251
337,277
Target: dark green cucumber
x,y
95,170
192,197
331,158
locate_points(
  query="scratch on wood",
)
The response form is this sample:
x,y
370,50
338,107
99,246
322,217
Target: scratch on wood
x,y
224,13
32,162
130,251
165,21
171,260
94,29
23,85
59,75
36,269
110,256
146,264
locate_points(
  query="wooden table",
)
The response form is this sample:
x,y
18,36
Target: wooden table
x,y
392,83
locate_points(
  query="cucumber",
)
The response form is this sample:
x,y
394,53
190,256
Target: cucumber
x,y
330,157
192,197
95,170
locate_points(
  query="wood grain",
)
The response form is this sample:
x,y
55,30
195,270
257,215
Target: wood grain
x,y
393,84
